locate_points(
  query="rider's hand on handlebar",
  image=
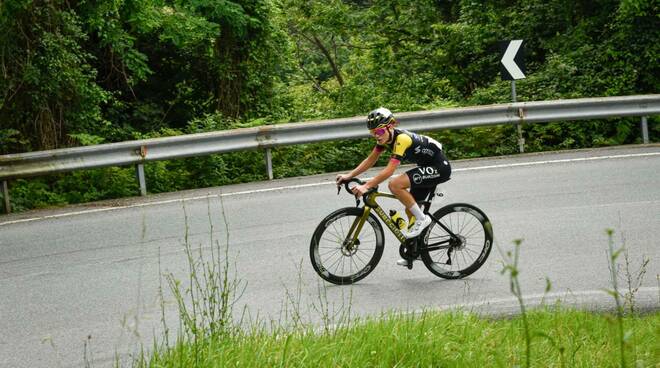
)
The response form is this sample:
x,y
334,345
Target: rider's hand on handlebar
x,y
359,190
341,178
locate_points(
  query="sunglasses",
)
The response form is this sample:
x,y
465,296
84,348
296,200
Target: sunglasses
x,y
379,131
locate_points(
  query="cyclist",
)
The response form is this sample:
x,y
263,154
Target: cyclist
x,y
432,167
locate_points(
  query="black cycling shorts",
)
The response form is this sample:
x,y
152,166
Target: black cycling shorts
x,y
424,179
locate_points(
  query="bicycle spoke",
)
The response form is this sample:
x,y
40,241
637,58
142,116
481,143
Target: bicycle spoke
x,y
332,256
357,268
336,231
468,226
328,252
338,241
478,227
357,256
463,256
335,262
340,237
475,242
331,248
438,256
469,250
341,225
343,264
467,219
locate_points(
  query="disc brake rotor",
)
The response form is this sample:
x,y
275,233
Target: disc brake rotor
x,y
349,248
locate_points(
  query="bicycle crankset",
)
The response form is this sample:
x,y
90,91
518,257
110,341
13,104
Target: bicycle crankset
x,y
408,251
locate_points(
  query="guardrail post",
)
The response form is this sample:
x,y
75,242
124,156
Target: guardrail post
x,y
5,195
139,168
269,164
645,130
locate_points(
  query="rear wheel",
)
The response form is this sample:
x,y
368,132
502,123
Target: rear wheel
x,y
334,254
459,252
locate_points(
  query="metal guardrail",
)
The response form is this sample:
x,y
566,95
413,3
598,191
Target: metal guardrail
x,y
264,137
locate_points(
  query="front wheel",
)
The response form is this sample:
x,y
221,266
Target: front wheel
x,y
461,245
337,255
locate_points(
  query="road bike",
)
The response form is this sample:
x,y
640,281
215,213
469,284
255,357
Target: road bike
x,y
348,244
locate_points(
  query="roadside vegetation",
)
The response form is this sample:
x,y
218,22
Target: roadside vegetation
x,y
548,336
82,73
449,339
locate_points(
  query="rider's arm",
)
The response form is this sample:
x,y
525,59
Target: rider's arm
x,y
401,145
367,163
384,174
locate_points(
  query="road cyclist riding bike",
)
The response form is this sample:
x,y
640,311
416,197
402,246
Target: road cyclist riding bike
x,y
453,242
432,168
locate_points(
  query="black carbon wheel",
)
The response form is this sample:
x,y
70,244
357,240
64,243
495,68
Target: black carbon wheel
x,y
335,257
457,257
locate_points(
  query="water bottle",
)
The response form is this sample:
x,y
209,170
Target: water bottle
x,y
398,220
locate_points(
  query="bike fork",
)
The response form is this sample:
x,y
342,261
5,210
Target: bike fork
x,y
356,227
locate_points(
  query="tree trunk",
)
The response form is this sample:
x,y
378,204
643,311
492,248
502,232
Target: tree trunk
x,y
333,64
228,74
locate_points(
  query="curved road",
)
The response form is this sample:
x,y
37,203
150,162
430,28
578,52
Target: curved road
x,y
81,283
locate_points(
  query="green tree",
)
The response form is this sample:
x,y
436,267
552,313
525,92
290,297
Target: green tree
x,y
48,84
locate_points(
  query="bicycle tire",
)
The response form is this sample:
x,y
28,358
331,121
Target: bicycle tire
x,y
476,239
328,251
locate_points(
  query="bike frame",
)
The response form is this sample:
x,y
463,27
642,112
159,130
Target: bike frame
x,y
370,203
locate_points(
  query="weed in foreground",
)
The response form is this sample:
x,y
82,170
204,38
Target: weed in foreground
x,y
205,302
333,315
633,283
511,267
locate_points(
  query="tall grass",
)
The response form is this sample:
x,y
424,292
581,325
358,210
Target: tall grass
x,y
205,301
427,339
559,337
625,302
511,267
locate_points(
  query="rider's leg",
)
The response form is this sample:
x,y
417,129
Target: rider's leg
x,y
399,187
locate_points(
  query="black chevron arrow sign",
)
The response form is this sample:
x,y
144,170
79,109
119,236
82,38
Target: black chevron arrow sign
x,y
512,63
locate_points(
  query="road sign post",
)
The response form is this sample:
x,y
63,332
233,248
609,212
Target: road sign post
x,y
512,66
521,140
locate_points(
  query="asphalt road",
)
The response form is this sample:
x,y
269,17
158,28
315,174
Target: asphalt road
x,y
82,283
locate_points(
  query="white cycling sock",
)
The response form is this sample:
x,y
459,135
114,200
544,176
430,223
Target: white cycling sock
x,y
417,212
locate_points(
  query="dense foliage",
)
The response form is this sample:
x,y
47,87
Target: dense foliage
x,y
87,72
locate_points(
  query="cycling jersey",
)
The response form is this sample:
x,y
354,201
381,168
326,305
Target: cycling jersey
x,y
415,148
432,166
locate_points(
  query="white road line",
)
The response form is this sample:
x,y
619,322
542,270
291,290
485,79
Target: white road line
x,y
558,161
156,203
